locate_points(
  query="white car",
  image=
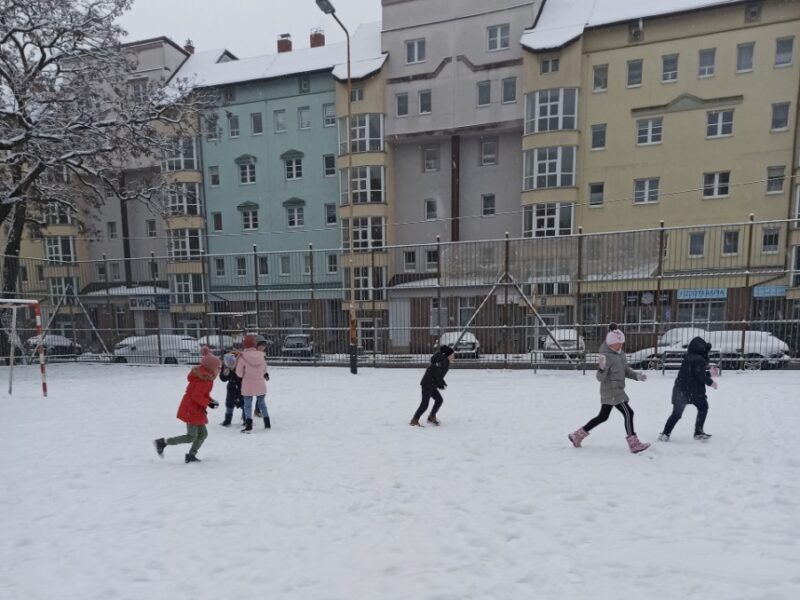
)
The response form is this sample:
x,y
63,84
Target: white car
x,y
54,345
674,339
571,344
467,347
217,343
175,349
761,349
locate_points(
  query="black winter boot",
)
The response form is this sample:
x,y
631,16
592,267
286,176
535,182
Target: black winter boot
x,y
267,424
248,426
160,444
227,421
191,458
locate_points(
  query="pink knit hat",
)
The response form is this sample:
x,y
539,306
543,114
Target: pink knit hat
x,y
208,361
615,336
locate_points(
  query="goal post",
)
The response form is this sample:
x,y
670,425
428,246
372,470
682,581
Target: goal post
x,y
14,305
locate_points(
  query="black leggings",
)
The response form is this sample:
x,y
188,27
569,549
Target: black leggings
x,y
678,405
605,412
427,394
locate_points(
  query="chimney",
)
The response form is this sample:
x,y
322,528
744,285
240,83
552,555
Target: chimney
x,y
285,43
317,38
189,46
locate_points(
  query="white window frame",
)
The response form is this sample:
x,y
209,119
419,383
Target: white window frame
x,y
279,121
431,260
498,37
111,230
359,189
596,128
329,115
326,171
717,121
488,157
488,209
247,173
646,190
187,288
725,239
409,266
694,235
777,106
593,194
669,75
332,264
256,117
632,71
330,211
484,87
263,266
787,63
150,228
553,102
707,70
770,231
740,54
431,209
304,123
180,155
214,221
718,183
60,249
213,173
234,130
544,219
600,78
293,169
651,130
184,199
250,220
241,266
295,217
774,178
285,265
430,101
549,65
366,133
368,233
505,87
547,163
369,283
357,94
397,113
219,267
185,244
430,158
415,51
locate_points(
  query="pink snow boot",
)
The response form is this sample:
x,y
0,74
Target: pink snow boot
x,y
577,437
635,445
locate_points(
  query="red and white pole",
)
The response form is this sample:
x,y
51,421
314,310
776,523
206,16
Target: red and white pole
x,y
40,348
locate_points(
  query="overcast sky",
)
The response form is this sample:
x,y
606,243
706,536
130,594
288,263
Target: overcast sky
x,y
245,27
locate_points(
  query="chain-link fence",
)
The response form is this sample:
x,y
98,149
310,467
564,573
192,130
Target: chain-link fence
x,y
530,302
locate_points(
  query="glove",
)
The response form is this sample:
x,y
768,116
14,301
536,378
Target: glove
x,y
714,371
714,385
239,403
444,385
266,376
601,362
641,377
213,403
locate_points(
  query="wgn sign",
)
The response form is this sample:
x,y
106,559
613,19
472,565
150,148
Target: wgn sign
x,y
149,302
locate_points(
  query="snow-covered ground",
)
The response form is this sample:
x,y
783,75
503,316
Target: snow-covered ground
x,y
343,500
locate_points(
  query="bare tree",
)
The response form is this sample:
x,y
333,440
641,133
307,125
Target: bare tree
x,y
69,118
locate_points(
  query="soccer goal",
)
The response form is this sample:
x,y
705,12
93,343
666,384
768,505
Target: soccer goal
x,y
14,306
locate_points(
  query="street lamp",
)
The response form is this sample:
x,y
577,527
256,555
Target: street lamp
x,y
326,7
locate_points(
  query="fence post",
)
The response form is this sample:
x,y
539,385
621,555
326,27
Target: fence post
x,y
109,312
659,284
158,321
374,320
439,288
748,304
578,297
506,318
311,295
258,299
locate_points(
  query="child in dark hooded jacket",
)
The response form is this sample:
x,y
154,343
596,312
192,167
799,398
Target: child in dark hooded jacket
x,y
432,382
233,398
690,388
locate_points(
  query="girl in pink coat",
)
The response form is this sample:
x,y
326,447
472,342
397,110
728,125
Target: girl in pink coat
x,y
251,366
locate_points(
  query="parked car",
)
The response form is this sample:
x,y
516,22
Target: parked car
x,y
218,344
467,347
761,350
144,349
572,345
298,345
54,345
272,347
678,337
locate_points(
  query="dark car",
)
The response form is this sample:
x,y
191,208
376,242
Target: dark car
x,y
298,345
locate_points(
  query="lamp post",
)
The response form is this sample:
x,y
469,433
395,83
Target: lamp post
x,y
326,7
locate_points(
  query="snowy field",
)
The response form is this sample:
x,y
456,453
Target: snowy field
x,y
343,500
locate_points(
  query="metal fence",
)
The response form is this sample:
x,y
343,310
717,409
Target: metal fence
x,y
530,302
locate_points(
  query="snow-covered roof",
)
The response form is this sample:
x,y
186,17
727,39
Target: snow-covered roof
x,y
561,21
205,69
143,290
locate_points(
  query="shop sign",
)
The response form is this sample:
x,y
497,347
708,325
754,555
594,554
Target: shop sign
x,y
160,302
703,294
769,291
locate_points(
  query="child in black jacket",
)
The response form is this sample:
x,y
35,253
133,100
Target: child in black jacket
x,y
690,388
233,399
432,382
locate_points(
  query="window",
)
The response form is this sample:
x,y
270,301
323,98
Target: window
x,y
599,136
775,177
547,220
796,268
645,190
488,151
304,117
509,90
285,266
184,244
23,275
635,73
431,260
669,68
58,214
329,115
425,105
293,168
63,287
549,167
219,267
40,272
263,266
179,155
102,274
484,93
549,65
60,249
783,51
139,91
216,221
730,242
648,131
409,260
357,94
780,116
279,119
719,123
366,185
599,78
596,194
487,205
256,123
367,233
752,12
330,214
707,58
233,126
111,229
294,215
431,211
250,220
150,226
551,110
744,57
329,165
716,185
183,199
401,105
369,283
229,94
241,266
770,239
303,84
697,244
366,133
333,264
247,173
415,51
430,158
187,288
498,37
213,174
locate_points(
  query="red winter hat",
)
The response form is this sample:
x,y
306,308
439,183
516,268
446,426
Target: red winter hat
x,y
249,341
208,361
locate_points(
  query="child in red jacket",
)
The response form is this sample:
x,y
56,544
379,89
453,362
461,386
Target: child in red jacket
x,y
192,409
